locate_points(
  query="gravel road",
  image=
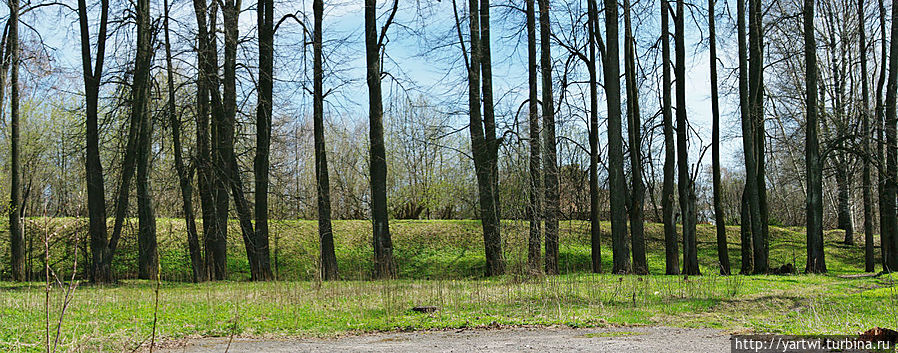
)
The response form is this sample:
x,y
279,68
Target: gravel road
x,y
519,339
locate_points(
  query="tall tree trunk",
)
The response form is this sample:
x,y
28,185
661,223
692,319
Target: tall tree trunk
x,y
494,243
383,244
265,19
325,230
672,254
147,260
16,236
534,251
229,170
214,231
816,260
866,179
618,184
684,180
482,147
891,186
550,161
193,244
634,129
595,232
880,138
756,112
723,256
748,137
101,271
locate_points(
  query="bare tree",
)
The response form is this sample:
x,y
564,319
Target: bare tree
x,y
634,130
684,180
816,261
611,66
184,176
16,231
147,259
534,252
101,271
325,230
866,178
891,149
550,160
595,231
672,256
261,164
374,44
723,256
482,126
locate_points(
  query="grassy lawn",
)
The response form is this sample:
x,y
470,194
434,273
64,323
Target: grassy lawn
x,y
440,262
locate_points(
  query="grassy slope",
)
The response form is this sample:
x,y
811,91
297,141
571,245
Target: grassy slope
x,y
448,253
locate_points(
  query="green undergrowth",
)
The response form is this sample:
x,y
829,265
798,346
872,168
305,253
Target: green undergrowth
x,y
440,264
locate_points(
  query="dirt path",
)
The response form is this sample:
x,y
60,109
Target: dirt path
x,y
552,339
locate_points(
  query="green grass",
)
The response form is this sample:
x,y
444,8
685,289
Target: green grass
x,y
440,262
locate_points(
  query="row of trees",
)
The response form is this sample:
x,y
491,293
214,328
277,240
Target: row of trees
x,y
853,131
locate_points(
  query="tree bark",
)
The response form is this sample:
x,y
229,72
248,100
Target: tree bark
x,y
193,244
534,252
325,230
748,137
880,138
816,260
261,164
634,130
619,240
684,180
208,101
723,256
595,232
746,249
147,260
672,254
383,243
891,148
16,231
550,161
866,180
756,112
96,202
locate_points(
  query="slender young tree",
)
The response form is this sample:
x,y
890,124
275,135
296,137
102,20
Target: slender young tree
x,y
261,163
595,231
816,261
16,231
684,180
325,230
672,254
866,179
550,161
147,259
534,251
611,66
723,256
184,178
634,130
374,43
101,271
